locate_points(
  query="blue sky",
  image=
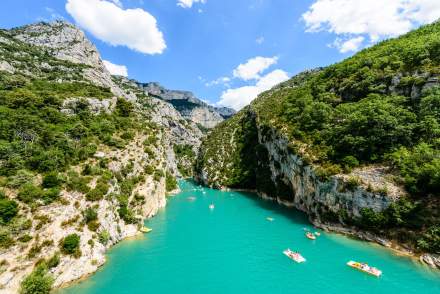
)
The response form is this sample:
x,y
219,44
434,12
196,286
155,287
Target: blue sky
x,y
200,48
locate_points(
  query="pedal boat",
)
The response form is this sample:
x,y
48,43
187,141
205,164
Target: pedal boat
x,y
363,267
295,256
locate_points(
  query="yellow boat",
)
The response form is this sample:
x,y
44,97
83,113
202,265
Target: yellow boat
x,y
146,230
363,267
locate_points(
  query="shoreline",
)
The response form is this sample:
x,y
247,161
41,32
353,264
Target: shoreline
x,y
88,275
427,259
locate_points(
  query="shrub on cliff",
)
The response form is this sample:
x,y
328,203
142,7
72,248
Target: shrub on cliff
x,y
70,244
8,209
51,180
170,182
38,282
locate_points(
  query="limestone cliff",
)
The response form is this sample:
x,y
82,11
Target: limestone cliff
x,y
190,107
104,191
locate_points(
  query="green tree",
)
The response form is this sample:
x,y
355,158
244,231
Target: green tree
x,y
38,282
70,244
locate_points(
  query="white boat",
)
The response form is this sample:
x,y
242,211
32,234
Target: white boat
x,y
295,256
310,236
271,219
211,206
191,198
363,267
318,234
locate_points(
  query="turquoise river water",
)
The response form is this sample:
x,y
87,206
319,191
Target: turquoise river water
x,y
235,249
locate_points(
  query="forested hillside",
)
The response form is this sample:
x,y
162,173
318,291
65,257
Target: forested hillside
x,y
376,111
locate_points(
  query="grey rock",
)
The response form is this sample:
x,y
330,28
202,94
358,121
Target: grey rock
x,y
189,106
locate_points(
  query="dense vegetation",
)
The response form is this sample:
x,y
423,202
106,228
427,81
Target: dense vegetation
x,y
381,106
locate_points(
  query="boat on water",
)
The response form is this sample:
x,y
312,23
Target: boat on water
x,y
271,219
145,230
191,198
311,236
318,234
363,267
295,256
211,206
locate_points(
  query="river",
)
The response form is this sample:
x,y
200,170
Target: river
x,y
233,248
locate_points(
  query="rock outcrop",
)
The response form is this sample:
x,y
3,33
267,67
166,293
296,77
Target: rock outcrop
x,y
189,106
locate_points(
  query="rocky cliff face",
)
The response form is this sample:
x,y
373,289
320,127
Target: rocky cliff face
x,y
276,172
189,106
135,170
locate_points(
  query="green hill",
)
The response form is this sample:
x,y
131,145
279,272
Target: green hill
x,y
378,110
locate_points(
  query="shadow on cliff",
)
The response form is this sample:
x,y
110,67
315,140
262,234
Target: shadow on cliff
x,y
291,213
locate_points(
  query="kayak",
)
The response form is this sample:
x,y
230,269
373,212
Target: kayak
x,y
295,256
363,267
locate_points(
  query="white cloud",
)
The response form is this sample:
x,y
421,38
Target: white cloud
x,y
189,3
375,19
115,69
239,97
135,28
349,45
254,67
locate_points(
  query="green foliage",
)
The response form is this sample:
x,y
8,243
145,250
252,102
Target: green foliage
x,y
8,209
99,192
90,214
29,193
371,220
70,244
20,178
124,107
170,182
38,282
420,168
104,237
430,241
51,180
37,137
184,151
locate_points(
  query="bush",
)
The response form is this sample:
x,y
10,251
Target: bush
x,y
90,214
104,237
29,193
430,241
149,170
93,225
170,182
77,183
70,244
8,209
51,180
98,193
53,261
371,219
51,195
20,178
350,162
38,282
